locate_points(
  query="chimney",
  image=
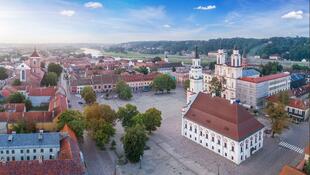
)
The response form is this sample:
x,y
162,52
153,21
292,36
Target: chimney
x,y
10,137
40,136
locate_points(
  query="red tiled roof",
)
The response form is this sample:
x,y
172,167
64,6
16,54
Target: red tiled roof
x,y
295,103
265,78
16,107
58,104
288,170
139,77
232,120
42,91
35,53
69,131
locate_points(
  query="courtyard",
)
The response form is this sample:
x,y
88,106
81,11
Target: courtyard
x,y
170,153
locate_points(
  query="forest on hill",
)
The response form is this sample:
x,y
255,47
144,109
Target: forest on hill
x,y
291,48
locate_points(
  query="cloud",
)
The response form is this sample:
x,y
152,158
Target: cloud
x,y
93,5
68,13
148,13
209,7
167,26
293,15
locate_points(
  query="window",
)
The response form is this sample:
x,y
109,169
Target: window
x,y
251,143
7,151
13,151
185,126
200,141
51,150
51,156
42,150
195,130
21,151
22,158
34,150
225,154
212,147
190,128
219,151
185,133
232,157
241,157
232,148
246,146
206,144
28,158
206,136
190,136
34,157
7,158
218,142
212,139
27,150
195,139
241,149
200,133
13,158
1,152
225,145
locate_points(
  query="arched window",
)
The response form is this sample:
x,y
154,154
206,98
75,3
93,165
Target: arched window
x,y
23,75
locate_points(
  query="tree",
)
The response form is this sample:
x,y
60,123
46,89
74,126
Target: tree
x,y
3,74
278,117
56,68
143,70
103,133
24,126
173,69
123,90
125,114
100,120
163,82
74,119
186,85
216,86
152,119
156,59
49,79
134,142
212,65
16,98
16,82
307,167
271,68
89,95
283,97
28,104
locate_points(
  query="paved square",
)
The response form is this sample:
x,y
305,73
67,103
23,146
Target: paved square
x,y
170,153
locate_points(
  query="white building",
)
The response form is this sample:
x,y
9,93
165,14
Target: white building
x,y
221,126
195,76
227,72
33,146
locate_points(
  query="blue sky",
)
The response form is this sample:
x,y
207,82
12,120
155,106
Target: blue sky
x,y
115,21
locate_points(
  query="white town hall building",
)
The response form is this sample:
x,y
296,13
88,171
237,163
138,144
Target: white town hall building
x,y
217,124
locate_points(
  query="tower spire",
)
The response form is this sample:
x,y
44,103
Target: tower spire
x,y
196,52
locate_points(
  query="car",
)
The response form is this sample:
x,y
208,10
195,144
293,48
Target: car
x,y
80,102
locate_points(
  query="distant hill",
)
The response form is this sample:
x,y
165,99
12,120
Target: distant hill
x,y
292,48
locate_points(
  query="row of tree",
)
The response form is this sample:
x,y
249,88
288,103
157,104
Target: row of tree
x,y
51,77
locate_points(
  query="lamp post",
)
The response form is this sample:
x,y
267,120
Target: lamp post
x,y
140,162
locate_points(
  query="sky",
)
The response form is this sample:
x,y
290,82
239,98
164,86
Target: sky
x,y
117,21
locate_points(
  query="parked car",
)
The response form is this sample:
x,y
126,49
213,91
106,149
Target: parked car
x,y
80,102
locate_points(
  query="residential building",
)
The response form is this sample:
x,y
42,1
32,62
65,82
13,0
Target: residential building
x,y
139,82
231,132
41,153
253,91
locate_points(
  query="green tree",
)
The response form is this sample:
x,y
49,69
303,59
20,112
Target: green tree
x,y
271,68
24,126
49,79
125,114
3,74
212,65
28,104
89,95
100,120
123,90
16,98
216,86
283,97
277,116
307,166
74,119
143,70
16,82
134,142
186,85
152,119
163,82
56,68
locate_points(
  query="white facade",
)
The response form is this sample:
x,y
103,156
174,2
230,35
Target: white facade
x,y
18,154
235,151
228,74
23,71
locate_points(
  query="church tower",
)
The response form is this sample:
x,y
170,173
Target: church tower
x,y
35,61
195,75
221,57
235,59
